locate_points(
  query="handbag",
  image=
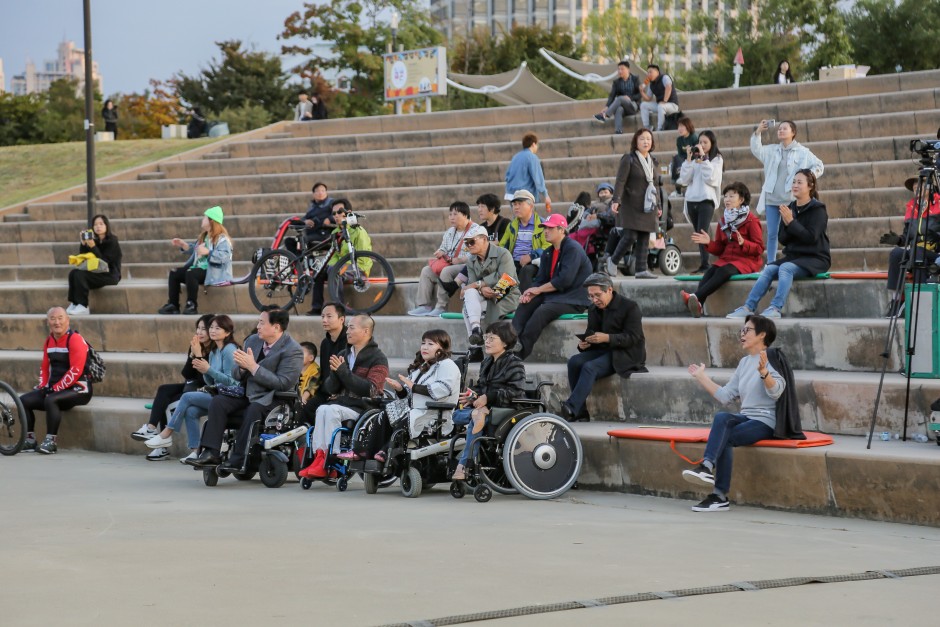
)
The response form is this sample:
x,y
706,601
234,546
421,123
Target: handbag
x,y
437,264
232,391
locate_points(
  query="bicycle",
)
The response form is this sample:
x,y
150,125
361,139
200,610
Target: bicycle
x,y
284,279
12,421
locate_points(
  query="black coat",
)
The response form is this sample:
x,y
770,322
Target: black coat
x,y
623,321
629,87
571,271
109,250
805,241
501,380
630,192
788,425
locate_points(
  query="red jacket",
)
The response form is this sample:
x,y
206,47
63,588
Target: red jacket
x,y
63,362
747,257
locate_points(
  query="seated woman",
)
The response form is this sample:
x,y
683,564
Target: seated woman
x,y
169,393
210,263
103,244
216,370
806,247
502,376
738,244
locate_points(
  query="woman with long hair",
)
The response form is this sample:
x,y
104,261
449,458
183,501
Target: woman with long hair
x,y
110,116
701,175
783,76
209,263
103,244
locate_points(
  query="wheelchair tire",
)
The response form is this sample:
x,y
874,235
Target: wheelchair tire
x,y
482,494
273,472
492,471
210,477
371,482
411,483
542,456
457,490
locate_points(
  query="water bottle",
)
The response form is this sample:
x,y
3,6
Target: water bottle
x,y
920,437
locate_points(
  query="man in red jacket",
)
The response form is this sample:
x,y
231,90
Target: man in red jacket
x,y
62,381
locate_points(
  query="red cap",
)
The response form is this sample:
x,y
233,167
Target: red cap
x,y
555,220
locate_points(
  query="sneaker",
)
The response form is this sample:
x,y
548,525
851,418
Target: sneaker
x,y
476,337
611,268
712,503
618,132
423,310
674,194
48,446
646,274
190,309
695,307
436,312
158,442
599,117
80,310
169,309
158,455
771,312
29,445
192,455
144,433
701,476
740,312
70,309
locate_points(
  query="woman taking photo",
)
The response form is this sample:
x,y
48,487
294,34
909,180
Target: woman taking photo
x,y
169,393
636,204
805,252
215,371
738,244
210,263
502,376
103,244
701,174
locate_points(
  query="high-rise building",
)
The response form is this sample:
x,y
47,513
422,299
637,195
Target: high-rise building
x,y
69,64
458,17
3,80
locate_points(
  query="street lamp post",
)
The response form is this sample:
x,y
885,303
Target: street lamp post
x,y
394,24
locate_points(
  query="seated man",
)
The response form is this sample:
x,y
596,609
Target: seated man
x,y
659,97
271,362
333,319
524,237
355,383
485,269
360,239
557,290
624,98
758,385
442,269
613,343
319,219
488,207
62,381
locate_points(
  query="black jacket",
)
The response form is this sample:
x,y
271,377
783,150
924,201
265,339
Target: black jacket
x,y
190,374
501,380
359,388
620,87
623,321
108,250
319,212
571,271
788,426
805,241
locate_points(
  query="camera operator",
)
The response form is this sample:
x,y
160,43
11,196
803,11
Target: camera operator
x,y
701,175
926,228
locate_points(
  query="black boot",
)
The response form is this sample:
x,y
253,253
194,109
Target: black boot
x,y
190,309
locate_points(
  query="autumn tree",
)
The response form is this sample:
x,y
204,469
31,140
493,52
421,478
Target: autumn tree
x,y
141,116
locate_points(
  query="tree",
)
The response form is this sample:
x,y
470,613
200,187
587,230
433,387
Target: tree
x,y
887,34
143,115
240,77
357,39
19,119
616,34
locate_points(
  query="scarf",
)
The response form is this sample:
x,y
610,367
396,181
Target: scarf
x,y
734,218
650,199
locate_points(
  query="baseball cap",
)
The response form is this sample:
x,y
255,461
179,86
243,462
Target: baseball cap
x,y
475,231
555,220
523,194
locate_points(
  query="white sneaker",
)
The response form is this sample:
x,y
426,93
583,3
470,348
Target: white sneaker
x,y
611,268
158,455
80,310
144,433
192,455
423,310
436,312
158,442
70,309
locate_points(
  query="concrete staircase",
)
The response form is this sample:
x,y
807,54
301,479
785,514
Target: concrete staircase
x,y
403,172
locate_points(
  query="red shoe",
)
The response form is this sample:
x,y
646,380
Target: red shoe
x,y
317,468
685,298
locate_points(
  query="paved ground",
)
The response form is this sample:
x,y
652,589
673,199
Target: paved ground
x,y
99,539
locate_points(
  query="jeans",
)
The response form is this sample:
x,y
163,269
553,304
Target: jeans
x,y
618,108
662,109
784,273
463,417
583,370
773,229
730,430
192,405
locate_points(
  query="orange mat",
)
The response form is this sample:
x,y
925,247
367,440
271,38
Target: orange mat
x,y
700,434
858,275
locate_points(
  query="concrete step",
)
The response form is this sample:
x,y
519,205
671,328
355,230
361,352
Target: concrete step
x,y
151,176
847,345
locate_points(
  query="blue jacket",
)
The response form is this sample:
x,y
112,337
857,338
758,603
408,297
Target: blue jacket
x,y
220,366
525,172
319,212
571,271
219,269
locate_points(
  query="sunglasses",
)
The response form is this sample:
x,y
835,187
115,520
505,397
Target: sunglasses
x,y
470,242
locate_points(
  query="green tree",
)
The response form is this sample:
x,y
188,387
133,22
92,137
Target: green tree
x,y
63,114
240,77
357,37
244,118
19,119
616,34
887,34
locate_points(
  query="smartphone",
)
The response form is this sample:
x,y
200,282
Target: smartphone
x,y
771,123
582,336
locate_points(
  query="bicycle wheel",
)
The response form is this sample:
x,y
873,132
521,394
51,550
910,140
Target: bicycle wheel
x,y
12,421
364,286
278,279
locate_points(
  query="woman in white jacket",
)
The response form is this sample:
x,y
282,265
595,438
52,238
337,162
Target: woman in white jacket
x,y
701,175
781,162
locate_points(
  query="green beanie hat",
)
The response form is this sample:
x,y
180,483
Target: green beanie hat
x,y
215,214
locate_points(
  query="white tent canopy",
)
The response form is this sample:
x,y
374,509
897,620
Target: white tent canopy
x,y
517,87
601,74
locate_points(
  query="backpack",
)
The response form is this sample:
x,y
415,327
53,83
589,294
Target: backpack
x,y
94,365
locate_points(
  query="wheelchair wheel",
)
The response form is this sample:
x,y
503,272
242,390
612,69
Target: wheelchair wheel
x,y
341,484
482,494
491,469
278,279
12,421
306,483
210,477
371,482
359,291
273,471
542,456
411,483
670,260
457,490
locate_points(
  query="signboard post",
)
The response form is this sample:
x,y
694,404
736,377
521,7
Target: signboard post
x,y
413,74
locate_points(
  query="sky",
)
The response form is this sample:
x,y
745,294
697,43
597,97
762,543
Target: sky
x,y
134,41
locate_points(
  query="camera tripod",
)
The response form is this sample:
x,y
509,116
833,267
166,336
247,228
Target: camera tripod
x,y
915,261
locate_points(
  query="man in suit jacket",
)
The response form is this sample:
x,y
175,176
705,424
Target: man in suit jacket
x,y
613,343
271,362
557,289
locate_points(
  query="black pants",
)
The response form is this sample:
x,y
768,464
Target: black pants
x,y
896,265
534,316
227,412
714,277
166,394
81,281
621,242
53,404
526,275
700,213
111,127
193,278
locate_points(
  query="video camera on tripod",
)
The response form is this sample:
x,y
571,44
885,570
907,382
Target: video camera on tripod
x,y
928,149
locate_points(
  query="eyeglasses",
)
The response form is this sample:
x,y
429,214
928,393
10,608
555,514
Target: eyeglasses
x,y
470,242
490,338
746,330
595,296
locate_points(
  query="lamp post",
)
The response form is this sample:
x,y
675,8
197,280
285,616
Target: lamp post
x,y
89,117
394,24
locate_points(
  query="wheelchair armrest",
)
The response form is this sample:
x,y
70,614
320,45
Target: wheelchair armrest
x,y
527,401
287,396
440,406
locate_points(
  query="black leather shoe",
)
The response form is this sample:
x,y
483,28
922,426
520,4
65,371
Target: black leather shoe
x,y
169,309
190,309
565,412
583,416
206,458
232,466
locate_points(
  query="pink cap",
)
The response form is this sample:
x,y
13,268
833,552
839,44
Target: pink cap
x,y
555,220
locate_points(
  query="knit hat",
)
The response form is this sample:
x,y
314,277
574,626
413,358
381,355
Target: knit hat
x,y
605,186
215,214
